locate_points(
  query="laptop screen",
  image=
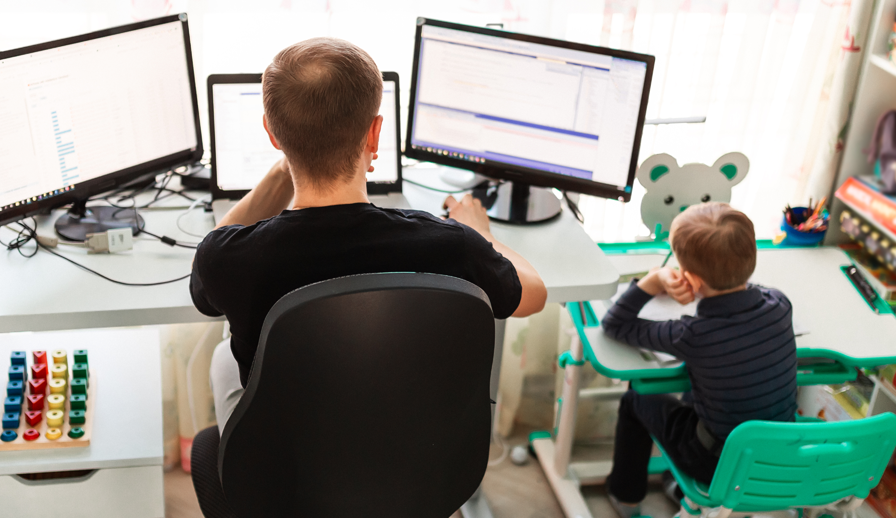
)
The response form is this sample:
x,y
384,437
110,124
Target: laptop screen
x,y
243,151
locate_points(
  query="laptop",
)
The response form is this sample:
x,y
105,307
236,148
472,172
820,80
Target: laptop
x,y
242,153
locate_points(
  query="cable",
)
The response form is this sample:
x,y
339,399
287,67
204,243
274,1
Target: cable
x,y
31,234
169,241
574,207
154,185
22,238
418,184
193,206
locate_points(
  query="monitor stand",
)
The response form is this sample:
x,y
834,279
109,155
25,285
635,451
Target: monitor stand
x,y
81,220
518,203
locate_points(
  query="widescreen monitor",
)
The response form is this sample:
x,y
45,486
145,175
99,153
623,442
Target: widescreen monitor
x,y
82,115
533,110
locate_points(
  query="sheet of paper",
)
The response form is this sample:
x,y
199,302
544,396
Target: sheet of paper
x,y
660,357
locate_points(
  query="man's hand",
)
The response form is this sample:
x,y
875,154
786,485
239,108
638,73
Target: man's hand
x,y
468,211
669,281
272,194
281,167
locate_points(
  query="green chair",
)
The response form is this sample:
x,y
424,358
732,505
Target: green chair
x,y
769,466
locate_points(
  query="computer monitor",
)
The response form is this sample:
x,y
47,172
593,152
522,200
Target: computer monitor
x,y
86,114
242,153
532,110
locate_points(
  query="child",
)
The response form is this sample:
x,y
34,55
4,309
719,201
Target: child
x,y
739,351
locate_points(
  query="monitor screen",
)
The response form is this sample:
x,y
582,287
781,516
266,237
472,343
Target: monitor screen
x,y
243,151
73,113
486,97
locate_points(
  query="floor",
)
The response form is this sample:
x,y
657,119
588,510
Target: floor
x,y
512,492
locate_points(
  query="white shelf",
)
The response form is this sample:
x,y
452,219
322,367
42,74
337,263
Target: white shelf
x,y
883,63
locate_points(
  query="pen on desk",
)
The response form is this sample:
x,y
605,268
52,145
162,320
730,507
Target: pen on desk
x,y
863,287
666,260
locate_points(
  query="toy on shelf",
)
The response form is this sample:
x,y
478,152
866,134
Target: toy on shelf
x,y
49,403
671,189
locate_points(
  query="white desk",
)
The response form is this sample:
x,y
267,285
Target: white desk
x,y
51,294
47,293
840,325
126,442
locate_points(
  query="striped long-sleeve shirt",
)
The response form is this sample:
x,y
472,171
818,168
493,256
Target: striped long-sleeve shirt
x,y
739,351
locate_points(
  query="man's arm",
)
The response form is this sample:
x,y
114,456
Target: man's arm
x,y
271,196
621,321
471,213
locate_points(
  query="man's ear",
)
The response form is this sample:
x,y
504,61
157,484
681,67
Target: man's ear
x,y
734,166
655,167
264,122
694,280
373,134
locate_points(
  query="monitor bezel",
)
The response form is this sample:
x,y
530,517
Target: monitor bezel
x,y
217,79
86,189
513,172
385,187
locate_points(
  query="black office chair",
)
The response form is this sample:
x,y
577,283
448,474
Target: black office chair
x,y
369,396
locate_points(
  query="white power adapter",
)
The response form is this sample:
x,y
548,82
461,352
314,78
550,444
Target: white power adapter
x,y
112,240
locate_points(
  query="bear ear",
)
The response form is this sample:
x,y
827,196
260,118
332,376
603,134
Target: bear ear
x,y
655,167
734,166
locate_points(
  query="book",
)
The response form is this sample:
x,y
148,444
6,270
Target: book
x,y
876,273
869,237
864,196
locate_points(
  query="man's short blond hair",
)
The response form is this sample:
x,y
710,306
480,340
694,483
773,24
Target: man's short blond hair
x,y
320,97
716,242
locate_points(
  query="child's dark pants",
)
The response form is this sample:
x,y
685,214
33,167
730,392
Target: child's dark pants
x,y
673,424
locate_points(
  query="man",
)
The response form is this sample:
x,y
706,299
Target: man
x,y
321,100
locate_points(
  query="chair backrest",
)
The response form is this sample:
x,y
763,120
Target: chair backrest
x,y
771,466
369,396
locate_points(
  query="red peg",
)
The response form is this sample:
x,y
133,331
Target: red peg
x,y
40,357
38,386
31,434
39,371
33,417
36,402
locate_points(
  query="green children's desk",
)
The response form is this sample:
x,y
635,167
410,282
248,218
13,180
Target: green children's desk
x,y
841,332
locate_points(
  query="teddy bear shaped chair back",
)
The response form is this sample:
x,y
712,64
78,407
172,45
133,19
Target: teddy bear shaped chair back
x,y
672,188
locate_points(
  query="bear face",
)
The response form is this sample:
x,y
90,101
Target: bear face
x,y
671,189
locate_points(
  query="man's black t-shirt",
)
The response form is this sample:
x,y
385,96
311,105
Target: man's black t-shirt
x,y
241,272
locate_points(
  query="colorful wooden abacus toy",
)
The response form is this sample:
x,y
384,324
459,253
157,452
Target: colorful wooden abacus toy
x,y
48,405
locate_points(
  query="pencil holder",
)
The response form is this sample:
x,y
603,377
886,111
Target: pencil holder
x,y
796,237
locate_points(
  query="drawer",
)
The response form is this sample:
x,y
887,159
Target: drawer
x,y
104,493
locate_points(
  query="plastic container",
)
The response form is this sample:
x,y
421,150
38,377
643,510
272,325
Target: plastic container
x,y
797,238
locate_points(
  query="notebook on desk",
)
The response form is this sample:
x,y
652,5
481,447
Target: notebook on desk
x,y
242,153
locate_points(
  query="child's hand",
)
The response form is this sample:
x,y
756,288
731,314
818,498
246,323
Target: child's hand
x,y
669,281
675,285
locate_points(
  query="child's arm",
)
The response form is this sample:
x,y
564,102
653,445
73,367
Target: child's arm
x,y
622,323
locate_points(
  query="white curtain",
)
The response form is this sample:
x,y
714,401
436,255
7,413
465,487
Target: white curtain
x,y
759,70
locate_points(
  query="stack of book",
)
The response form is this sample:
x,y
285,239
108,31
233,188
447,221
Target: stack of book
x,y
879,276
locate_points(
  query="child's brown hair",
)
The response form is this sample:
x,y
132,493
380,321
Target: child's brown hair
x,y
715,242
